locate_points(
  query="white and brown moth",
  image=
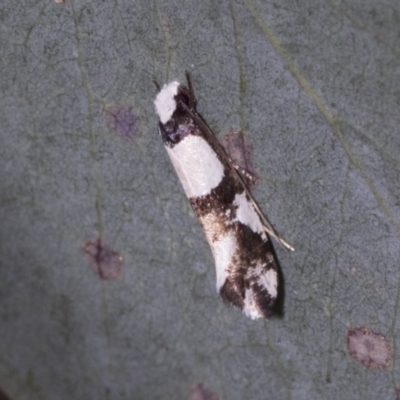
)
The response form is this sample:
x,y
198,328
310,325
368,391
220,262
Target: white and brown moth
x,y
235,228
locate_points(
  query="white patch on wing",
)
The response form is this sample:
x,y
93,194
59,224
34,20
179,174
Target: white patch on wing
x,y
269,280
197,165
246,214
223,246
266,279
165,102
255,271
223,250
250,307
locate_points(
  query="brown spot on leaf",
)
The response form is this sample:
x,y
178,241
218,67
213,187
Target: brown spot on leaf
x,y
4,395
102,259
369,348
123,121
200,392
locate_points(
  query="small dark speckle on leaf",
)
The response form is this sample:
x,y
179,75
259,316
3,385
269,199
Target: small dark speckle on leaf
x,y
200,267
4,396
200,392
369,348
239,150
102,259
123,121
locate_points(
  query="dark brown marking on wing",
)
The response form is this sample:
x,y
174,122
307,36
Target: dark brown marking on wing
x,y
221,198
252,251
216,213
232,293
263,299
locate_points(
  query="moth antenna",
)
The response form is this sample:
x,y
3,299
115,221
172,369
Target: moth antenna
x,y
266,225
281,241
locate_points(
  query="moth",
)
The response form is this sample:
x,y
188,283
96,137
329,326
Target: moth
x,y
235,228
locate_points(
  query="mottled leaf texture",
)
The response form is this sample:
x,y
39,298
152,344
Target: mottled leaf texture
x,y
314,86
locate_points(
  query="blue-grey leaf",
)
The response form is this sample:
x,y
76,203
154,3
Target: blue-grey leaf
x,y
315,86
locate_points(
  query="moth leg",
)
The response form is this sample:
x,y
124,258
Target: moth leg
x,y
248,175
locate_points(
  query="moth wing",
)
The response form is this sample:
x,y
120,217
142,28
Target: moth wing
x,y
217,146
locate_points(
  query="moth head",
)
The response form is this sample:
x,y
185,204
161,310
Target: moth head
x,y
172,101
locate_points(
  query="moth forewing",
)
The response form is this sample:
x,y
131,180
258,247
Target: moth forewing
x,y
209,135
234,225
